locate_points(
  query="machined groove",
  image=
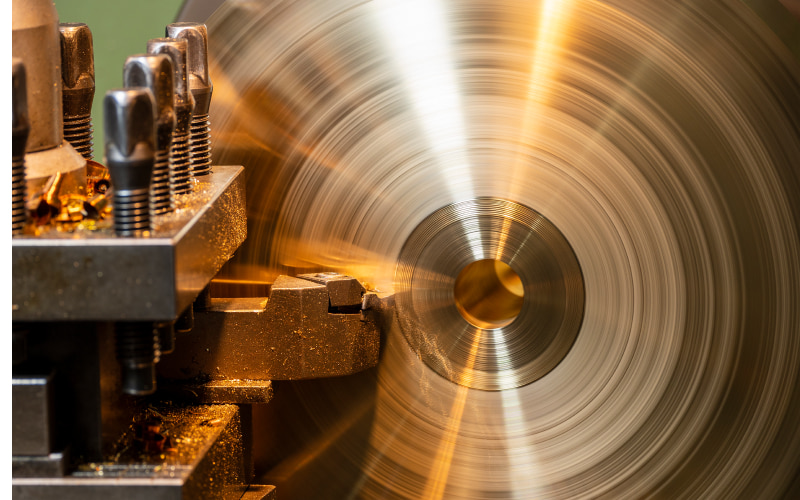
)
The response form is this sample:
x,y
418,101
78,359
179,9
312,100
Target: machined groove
x,y
131,213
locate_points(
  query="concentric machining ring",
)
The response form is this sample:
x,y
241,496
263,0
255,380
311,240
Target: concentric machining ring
x,y
450,341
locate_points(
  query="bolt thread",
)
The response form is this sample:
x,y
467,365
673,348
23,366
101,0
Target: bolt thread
x,y
201,145
17,194
137,343
78,132
131,212
180,164
138,351
160,193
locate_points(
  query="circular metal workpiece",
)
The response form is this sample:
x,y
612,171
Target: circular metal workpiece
x,y
408,143
493,343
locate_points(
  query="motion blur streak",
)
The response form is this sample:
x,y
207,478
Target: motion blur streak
x,y
428,67
655,144
434,488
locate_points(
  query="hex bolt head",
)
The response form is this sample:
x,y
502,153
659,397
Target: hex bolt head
x,y
130,156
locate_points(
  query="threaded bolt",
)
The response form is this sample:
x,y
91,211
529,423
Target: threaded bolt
x,y
180,155
160,191
154,71
20,128
130,156
180,163
77,77
196,35
200,151
79,132
138,351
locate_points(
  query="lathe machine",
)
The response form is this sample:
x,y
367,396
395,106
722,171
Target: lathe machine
x,y
440,249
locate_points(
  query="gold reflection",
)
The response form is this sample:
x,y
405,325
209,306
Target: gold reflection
x,y
488,293
437,481
551,33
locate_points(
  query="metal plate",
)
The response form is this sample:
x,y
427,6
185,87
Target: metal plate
x,y
207,462
96,276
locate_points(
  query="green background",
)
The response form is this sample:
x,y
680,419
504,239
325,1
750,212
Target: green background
x,y
120,28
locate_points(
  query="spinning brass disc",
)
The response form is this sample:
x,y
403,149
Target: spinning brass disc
x,y
624,173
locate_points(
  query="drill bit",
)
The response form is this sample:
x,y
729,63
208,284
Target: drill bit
x,y
20,127
154,71
196,36
130,154
77,78
180,160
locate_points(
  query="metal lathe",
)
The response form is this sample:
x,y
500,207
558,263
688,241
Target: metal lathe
x,y
439,249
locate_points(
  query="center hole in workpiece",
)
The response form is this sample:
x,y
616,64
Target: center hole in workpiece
x,y
488,293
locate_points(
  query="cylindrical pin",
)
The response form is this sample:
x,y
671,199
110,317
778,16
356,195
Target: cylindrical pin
x,y
138,351
130,154
19,137
196,35
154,71
35,41
77,78
179,156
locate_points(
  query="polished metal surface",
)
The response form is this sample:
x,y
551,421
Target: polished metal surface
x,y
488,352
130,126
35,40
660,139
96,276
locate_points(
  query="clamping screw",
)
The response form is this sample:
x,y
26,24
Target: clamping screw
x,y
138,351
20,128
179,156
154,71
130,156
196,36
77,78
